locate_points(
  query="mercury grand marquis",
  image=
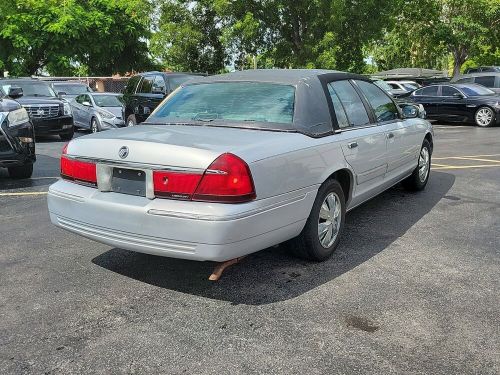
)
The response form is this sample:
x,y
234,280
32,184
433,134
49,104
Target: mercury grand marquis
x,y
232,164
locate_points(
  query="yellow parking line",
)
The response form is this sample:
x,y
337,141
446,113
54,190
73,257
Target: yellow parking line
x,y
23,194
477,159
464,156
468,166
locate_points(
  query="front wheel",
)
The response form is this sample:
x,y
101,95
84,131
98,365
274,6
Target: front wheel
x,y
23,171
94,126
418,179
484,117
321,234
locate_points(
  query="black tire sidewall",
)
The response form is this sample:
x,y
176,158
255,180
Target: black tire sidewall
x,y
66,136
23,171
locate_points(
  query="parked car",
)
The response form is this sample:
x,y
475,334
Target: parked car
x,y
460,102
489,80
98,111
405,86
17,139
145,91
49,113
70,90
232,164
483,69
401,101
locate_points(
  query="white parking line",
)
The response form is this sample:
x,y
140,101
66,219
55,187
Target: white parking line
x,y
27,193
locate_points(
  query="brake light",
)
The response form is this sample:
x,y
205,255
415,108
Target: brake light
x,y
77,170
175,185
228,179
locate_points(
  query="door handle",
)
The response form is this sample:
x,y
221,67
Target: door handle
x,y
352,145
390,135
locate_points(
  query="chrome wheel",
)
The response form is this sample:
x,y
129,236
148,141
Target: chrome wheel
x,y
423,164
93,126
484,116
330,217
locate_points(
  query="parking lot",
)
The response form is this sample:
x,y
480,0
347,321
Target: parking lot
x,y
413,288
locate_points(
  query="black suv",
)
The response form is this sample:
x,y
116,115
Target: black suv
x,y
145,91
49,113
17,140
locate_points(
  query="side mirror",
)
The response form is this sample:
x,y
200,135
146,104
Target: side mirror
x,y
410,111
87,104
15,92
458,95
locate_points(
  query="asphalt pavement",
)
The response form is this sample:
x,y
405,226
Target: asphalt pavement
x,y
414,287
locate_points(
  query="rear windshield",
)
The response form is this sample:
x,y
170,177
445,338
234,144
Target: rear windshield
x,y
475,90
71,89
248,104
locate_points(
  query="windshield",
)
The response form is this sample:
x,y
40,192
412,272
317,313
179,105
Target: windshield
x,y
30,88
250,102
71,89
383,85
107,100
476,90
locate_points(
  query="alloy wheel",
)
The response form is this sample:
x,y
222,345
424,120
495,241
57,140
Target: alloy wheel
x,y
93,126
484,117
423,164
330,217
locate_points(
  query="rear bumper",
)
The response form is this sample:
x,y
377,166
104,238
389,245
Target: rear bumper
x,y
178,229
55,125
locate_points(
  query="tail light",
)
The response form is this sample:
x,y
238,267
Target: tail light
x,y
77,170
227,179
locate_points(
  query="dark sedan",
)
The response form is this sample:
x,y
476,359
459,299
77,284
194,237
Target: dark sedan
x,y
17,140
460,103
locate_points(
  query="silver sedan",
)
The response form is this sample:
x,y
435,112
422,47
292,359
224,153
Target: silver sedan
x,y
98,111
231,164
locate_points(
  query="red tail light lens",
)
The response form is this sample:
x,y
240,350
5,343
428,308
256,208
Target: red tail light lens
x,y
175,185
76,170
227,179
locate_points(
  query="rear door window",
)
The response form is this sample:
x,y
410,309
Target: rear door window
x,y
352,103
132,85
342,119
427,91
383,106
448,91
146,85
488,81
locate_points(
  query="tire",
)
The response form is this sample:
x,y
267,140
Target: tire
x,y
94,125
310,244
131,120
24,171
418,179
67,136
484,117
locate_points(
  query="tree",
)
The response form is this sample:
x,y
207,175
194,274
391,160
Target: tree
x,y
105,35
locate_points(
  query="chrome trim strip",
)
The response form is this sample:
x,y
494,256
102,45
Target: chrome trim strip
x,y
241,215
134,165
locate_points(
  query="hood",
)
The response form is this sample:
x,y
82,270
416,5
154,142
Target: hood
x,y
36,100
8,105
117,111
185,146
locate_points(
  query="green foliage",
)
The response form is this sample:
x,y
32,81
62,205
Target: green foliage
x,y
107,36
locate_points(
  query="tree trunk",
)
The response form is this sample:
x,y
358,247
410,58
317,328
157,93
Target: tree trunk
x,y
459,57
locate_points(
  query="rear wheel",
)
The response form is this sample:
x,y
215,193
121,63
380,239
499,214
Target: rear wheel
x,y
321,234
131,120
418,179
484,117
67,136
23,171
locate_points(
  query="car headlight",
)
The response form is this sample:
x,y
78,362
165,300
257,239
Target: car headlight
x,y
106,114
17,117
67,109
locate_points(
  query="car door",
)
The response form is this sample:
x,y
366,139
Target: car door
x,y
144,103
402,143
428,97
87,111
363,142
76,108
452,105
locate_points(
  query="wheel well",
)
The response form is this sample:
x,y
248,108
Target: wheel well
x,y
428,136
344,178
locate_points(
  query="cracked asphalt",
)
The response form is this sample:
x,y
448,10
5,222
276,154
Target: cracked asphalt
x,y
413,289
